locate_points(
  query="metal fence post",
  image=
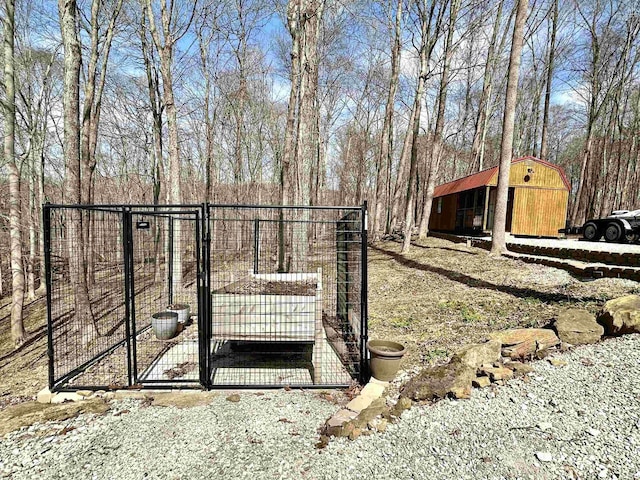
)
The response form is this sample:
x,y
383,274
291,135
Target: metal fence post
x,y
256,245
46,225
200,267
170,260
364,306
128,291
205,318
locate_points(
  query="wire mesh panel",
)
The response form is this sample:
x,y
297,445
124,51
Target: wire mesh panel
x,y
208,296
286,295
86,293
123,296
166,264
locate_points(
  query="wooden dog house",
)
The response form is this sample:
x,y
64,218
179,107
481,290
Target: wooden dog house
x,y
537,201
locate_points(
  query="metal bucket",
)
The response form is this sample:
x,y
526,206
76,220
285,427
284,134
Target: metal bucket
x,y
164,325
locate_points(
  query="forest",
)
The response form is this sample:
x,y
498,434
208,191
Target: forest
x,y
307,102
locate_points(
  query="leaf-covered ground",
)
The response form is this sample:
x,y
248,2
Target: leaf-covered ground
x,y
442,295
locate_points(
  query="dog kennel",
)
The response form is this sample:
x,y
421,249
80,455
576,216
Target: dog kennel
x,y
205,296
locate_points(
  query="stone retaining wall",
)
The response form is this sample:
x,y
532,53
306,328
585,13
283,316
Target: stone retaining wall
x,y
618,265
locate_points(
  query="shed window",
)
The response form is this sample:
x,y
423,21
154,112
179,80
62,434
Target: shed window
x,y
439,205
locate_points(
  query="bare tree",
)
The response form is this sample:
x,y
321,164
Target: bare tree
x,y
544,148
18,333
385,156
174,27
436,144
498,243
430,16
68,13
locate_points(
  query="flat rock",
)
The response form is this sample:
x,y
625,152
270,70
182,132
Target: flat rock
x,y
577,326
44,396
403,404
477,354
382,425
523,342
544,456
28,413
556,362
62,397
621,315
359,403
235,398
433,383
376,408
498,373
341,417
482,381
518,368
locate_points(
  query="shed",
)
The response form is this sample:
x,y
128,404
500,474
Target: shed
x,y
536,206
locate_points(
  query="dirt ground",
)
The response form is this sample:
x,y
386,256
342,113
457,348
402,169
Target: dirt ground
x,y
436,298
442,295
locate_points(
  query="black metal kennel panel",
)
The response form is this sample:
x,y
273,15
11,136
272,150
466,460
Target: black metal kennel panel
x,y
166,272
206,296
287,295
86,291
113,273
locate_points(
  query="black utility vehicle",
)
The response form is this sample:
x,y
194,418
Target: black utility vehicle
x,y
622,226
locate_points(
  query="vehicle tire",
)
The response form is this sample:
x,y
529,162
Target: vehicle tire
x,y
613,233
591,232
631,237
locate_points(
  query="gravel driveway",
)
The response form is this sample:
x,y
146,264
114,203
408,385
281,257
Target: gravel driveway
x,y
574,243
581,420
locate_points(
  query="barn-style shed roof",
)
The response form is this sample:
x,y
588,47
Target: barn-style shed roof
x,y
484,178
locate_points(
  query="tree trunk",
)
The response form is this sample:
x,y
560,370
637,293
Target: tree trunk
x,y
436,144
93,88
305,20
499,244
487,80
158,161
399,192
18,333
71,148
544,148
31,261
165,51
290,137
42,287
386,137
427,43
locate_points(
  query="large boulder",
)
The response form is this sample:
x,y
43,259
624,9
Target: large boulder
x,y
523,342
578,327
478,354
621,315
453,379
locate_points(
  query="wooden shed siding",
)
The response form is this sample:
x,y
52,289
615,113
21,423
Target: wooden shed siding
x,y
446,220
542,176
539,212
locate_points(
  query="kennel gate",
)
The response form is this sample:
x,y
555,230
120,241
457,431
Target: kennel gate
x,y
277,295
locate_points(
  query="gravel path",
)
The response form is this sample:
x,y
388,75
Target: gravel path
x,y
577,421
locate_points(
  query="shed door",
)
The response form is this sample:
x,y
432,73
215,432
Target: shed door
x,y
492,208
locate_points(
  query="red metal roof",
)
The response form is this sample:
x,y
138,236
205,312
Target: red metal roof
x,y
482,178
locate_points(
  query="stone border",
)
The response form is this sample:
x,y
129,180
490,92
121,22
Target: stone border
x,y
586,263
359,413
496,361
47,396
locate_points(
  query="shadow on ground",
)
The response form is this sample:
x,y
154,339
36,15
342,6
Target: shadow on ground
x,y
478,283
